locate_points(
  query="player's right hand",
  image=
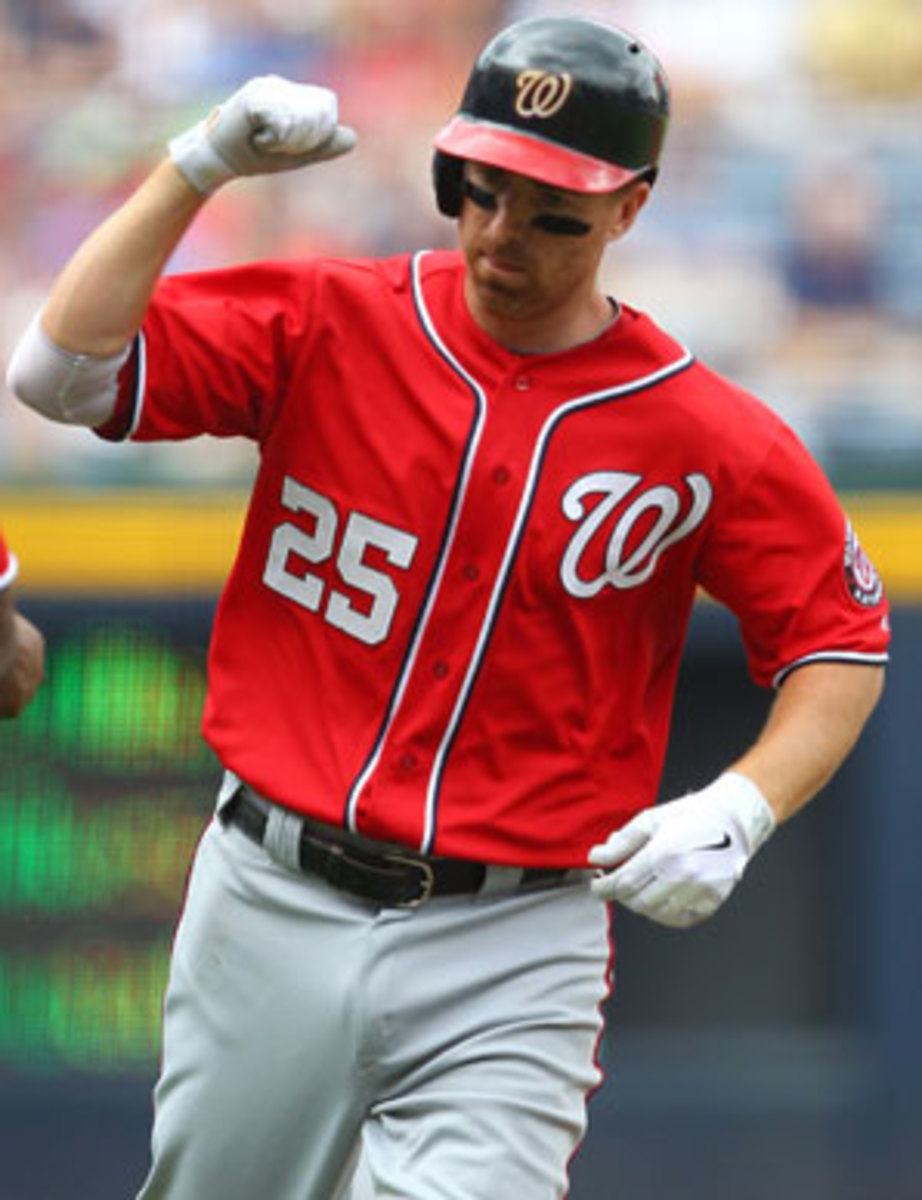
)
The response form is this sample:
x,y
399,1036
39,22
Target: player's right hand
x,y
271,124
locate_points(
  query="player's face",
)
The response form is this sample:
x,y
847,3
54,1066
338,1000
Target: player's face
x,y
533,252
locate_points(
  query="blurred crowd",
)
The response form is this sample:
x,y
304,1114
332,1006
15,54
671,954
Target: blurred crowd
x,y
782,242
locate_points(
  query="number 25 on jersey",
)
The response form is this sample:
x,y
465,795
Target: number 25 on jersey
x,y
369,623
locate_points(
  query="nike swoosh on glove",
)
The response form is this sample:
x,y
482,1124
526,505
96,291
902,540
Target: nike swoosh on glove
x,y
676,863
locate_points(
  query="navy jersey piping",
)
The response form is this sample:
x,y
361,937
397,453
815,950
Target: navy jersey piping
x,y
140,385
441,560
118,427
856,657
578,403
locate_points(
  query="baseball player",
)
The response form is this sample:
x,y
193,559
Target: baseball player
x,y
443,664
22,646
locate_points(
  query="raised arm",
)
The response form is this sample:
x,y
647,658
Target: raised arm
x,y
98,302
67,362
677,862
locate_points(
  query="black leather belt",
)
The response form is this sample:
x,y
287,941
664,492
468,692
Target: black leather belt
x,y
391,878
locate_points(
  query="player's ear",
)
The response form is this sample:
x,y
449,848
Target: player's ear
x,y
626,205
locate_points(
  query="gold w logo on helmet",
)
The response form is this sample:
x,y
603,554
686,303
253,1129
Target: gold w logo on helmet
x,y
540,93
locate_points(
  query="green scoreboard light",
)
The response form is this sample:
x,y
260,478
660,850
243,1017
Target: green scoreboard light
x,y
105,786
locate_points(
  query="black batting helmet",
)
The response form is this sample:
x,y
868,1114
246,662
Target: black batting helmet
x,y
570,101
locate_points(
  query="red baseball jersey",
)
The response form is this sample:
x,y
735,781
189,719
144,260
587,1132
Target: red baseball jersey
x,y
8,564
457,611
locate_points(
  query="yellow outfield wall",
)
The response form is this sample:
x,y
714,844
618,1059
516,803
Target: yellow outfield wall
x,y
146,541
122,541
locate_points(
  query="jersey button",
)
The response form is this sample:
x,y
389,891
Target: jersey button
x,y
440,669
408,761
501,475
523,383
471,572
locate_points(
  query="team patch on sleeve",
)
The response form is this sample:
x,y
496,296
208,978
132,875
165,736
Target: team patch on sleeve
x,y
861,578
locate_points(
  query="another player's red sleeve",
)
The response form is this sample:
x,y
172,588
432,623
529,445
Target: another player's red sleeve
x,y
783,556
7,565
213,356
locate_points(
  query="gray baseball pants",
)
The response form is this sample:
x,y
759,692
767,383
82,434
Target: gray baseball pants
x,y
447,1051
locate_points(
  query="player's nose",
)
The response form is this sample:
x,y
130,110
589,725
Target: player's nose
x,y
509,221
513,208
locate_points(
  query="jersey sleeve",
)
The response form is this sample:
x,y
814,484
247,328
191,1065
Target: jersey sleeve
x,y
8,565
783,556
213,355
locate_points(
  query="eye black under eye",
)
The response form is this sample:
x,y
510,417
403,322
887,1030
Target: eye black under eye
x,y
546,222
480,196
566,226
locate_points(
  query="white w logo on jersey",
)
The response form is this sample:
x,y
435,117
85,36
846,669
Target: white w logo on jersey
x,y
627,568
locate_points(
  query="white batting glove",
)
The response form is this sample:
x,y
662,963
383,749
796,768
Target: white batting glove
x,y
269,125
676,863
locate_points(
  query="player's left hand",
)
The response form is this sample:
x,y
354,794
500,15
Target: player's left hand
x,y
677,862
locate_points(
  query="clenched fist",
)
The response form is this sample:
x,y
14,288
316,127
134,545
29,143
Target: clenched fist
x,y
271,124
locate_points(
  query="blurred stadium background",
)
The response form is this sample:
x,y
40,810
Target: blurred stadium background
x,y
775,1051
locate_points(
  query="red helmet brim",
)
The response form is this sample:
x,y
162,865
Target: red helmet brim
x,y
526,154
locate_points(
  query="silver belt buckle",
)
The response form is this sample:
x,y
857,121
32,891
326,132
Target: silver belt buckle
x,y
428,880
